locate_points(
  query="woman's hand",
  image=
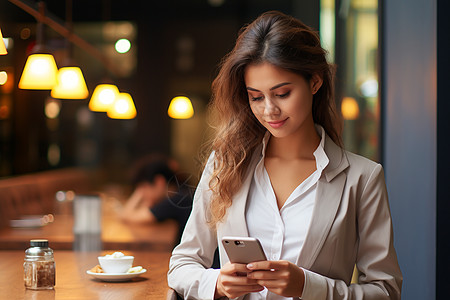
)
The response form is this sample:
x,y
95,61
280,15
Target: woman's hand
x,y
233,282
280,277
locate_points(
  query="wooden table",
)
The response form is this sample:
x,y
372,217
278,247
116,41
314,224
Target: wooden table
x,y
116,235
72,282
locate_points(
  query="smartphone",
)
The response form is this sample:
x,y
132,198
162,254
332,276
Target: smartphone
x,y
243,250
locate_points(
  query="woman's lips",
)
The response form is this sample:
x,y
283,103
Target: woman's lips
x,y
276,124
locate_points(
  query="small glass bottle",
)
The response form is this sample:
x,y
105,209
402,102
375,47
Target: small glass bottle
x,y
39,266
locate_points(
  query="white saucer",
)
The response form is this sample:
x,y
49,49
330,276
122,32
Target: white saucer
x,y
116,276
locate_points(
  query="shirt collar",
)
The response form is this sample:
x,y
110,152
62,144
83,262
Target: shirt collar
x,y
320,155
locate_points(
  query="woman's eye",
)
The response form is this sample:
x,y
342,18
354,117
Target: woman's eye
x,y
256,98
283,95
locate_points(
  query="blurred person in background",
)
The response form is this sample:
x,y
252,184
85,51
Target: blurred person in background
x,y
159,193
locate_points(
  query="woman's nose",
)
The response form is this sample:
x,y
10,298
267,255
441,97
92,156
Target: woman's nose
x,y
270,108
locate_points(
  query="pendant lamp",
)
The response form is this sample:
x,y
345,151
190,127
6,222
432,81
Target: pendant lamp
x,y
39,73
123,107
3,50
180,108
103,97
40,69
71,84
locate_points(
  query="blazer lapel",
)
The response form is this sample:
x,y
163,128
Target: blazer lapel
x,y
328,197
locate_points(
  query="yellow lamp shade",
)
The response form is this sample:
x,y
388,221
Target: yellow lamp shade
x,y
123,107
349,108
180,108
103,97
3,50
39,73
71,84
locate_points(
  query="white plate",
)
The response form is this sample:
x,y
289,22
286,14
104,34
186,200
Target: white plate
x,y
116,276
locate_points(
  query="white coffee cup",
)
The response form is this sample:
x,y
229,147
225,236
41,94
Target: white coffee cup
x,y
116,264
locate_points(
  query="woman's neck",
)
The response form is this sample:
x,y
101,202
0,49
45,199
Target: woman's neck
x,y
300,145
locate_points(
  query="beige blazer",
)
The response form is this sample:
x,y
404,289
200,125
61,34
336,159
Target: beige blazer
x,y
351,224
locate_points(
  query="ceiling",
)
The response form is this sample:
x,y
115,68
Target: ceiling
x,y
135,10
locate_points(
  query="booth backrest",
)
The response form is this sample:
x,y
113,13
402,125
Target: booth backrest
x,y
33,194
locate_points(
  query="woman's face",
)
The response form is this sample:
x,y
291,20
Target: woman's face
x,y
279,99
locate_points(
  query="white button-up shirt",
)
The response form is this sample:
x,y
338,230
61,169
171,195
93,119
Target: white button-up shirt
x,y
282,232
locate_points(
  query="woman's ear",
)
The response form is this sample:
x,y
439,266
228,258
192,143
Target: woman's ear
x,y
315,83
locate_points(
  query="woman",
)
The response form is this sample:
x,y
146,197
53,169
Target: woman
x,y
277,173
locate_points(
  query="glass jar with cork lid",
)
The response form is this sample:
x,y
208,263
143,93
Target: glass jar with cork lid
x,y
39,266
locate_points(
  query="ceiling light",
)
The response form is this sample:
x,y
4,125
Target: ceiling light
x,y
350,108
3,50
3,77
39,73
123,107
71,84
123,45
40,69
180,108
103,97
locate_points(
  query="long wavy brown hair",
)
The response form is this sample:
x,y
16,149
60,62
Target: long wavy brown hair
x,y
287,43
